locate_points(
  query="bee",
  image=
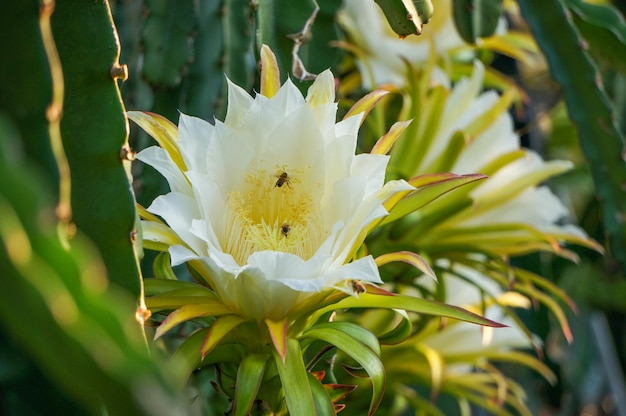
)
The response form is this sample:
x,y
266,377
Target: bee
x,y
284,229
358,287
282,179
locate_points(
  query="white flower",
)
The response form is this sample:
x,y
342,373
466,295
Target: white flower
x,y
472,292
511,197
272,203
382,51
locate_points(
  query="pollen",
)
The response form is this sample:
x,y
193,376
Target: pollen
x,y
263,216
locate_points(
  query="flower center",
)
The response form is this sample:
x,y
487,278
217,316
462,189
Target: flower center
x,y
272,211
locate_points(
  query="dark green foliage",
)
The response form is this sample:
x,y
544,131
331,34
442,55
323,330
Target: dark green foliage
x,y
476,18
55,304
26,83
183,52
589,109
604,29
406,19
94,130
167,41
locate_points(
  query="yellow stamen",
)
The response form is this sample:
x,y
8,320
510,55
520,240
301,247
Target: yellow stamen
x,y
264,216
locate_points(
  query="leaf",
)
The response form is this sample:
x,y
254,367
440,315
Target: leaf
x,y
408,257
163,131
280,24
249,378
162,267
154,287
173,301
590,110
278,333
542,282
511,357
166,35
25,98
355,331
604,30
56,304
408,154
94,129
493,78
187,357
366,104
434,186
476,18
352,347
270,74
517,45
399,333
295,380
385,143
412,304
188,312
321,397
445,161
218,330
437,367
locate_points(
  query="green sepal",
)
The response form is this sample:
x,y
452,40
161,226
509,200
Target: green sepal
x,y
446,160
355,331
249,378
360,352
412,304
295,380
438,185
323,402
399,333
153,287
187,357
172,302
218,330
188,312
162,267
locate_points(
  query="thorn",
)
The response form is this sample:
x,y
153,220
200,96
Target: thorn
x,y
119,71
126,153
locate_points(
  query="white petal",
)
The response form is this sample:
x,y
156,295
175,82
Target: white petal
x,y
284,149
286,100
349,127
180,254
159,233
194,136
239,102
497,140
517,176
178,210
393,187
466,338
372,169
535,206
160,160
322,91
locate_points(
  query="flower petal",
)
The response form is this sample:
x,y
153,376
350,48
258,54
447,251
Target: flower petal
x,y
160,160
322,91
